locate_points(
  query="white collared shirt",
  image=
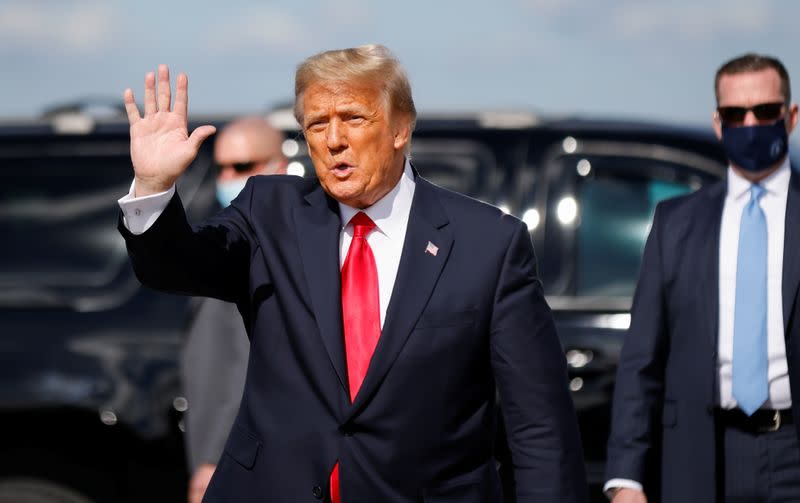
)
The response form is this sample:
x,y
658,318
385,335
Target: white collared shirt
x,y
773,203
390,215
140,213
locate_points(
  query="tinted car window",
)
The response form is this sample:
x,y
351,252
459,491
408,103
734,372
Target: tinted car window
x,y
615,216
58,207
59,210
465,166
599,211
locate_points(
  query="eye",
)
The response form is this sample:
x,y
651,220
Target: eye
x,y
315,125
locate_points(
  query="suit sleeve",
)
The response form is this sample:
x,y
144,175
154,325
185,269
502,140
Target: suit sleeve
x,y
640,374
530,370
210,260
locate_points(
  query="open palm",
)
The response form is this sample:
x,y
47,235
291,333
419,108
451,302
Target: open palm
x,y
161,146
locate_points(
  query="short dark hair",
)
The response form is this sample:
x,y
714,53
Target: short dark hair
x,y
752,62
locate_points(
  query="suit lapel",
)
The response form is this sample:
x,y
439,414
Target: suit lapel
x,y
318,226
791,249
707,231
417,275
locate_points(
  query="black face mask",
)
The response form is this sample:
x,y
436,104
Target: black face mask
x,y
755,148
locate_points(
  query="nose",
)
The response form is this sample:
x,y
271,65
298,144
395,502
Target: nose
x,y
336,136
226,172
750,119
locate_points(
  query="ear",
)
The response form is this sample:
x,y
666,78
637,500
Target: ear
x,y
402,133
716,123
791,118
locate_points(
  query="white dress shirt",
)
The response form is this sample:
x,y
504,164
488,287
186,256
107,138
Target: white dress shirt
x,y
390,215
773,203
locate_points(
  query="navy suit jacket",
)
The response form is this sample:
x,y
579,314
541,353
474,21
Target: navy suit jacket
x,y
460,324
663,426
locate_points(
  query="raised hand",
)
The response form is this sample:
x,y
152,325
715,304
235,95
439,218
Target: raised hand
x,y
161,147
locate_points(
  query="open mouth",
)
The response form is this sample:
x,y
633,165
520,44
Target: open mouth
x,y
342,169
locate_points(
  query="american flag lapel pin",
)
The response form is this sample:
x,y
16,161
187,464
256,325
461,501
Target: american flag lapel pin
x,y
432,249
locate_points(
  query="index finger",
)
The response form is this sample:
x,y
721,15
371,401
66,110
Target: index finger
x,y
130,107
181,105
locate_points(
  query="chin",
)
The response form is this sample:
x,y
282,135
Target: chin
x,y
344,196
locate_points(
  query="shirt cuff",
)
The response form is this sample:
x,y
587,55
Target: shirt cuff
x,y
140,213
621,484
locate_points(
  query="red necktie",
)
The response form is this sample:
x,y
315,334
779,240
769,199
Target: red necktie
x,y
361,313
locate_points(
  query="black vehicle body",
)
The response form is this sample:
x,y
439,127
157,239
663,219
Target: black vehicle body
x,y
90,398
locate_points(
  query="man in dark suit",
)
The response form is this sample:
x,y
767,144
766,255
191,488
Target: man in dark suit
x,y
705,401
214,357
383,311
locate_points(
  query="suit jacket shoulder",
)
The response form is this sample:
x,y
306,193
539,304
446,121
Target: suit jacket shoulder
x,y
470,215
690,204
278,190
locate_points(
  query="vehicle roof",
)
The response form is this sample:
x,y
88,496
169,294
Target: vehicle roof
x,y
630,126
79,124
72,123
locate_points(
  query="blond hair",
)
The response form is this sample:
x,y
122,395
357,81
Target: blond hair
x,y
372,63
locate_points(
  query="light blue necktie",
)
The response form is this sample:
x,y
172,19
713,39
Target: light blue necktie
x,y
750,380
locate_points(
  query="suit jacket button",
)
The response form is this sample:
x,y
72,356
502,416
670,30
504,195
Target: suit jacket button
x,y
317,492
346,430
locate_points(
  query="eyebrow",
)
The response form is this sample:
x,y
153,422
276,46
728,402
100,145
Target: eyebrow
x,y
352,108
348,109
313,117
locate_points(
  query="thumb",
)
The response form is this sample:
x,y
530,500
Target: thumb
x,y
200,134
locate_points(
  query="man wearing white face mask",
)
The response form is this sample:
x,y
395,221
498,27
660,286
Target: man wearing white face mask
x,y
246,147
214,359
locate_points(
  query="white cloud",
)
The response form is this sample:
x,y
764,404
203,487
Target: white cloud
x,y
83,26
262,27
691,22
324,24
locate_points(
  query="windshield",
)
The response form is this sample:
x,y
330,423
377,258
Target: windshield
x,y
600,209
58,217
617,212
58,213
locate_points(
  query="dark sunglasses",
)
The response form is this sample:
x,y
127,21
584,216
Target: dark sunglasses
x,y
239,167
762,111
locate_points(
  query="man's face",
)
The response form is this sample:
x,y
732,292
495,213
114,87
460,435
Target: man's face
x,y
242,154
748,90
355,142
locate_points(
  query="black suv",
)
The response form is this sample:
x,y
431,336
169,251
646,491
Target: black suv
x,y
90,399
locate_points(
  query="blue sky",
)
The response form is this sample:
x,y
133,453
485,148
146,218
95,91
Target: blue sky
x,y
630,58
